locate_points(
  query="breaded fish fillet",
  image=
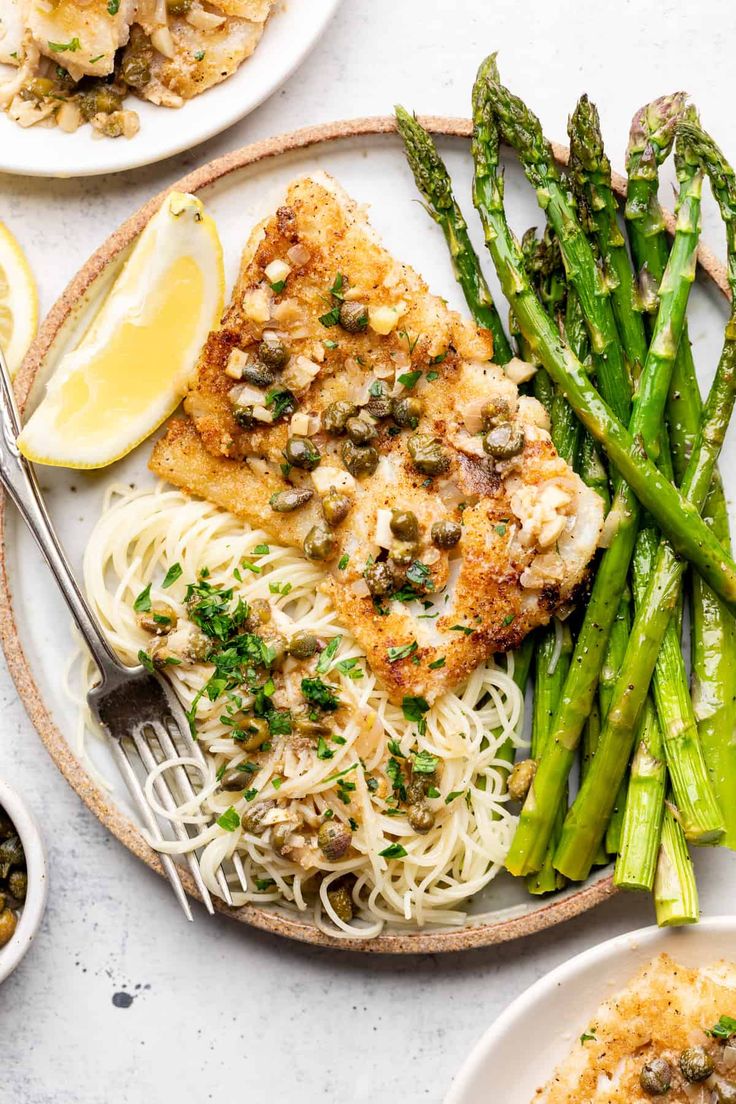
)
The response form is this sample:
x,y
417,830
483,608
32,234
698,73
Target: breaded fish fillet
x,y
81,35
664,1009
362,329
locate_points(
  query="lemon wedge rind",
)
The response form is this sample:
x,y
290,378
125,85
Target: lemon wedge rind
x,y
18,301
137,357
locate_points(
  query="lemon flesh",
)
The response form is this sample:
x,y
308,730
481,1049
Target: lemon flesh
x,y
137,357
18,301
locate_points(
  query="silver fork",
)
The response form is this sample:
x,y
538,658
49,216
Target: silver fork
x,y
137,709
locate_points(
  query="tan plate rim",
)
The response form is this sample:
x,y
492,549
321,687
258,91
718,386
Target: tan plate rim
x,y
553,912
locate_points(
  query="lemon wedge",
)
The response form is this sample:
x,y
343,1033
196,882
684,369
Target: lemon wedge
x,y
137,357
18,301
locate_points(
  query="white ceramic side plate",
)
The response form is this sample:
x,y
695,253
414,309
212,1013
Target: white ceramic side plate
x,y
291,33
519,1052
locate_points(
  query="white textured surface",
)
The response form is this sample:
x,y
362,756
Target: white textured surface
x,y
220,1012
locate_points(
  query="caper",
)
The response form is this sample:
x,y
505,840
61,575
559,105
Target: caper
x,y
253,733
258,374
353,316
725,1092
40,87
446,534
656,1077
243,415
360,431
259,614
136,70
334,839
160,619
8,924
359,459
403,553
280,837
404,525
178,7
416,791
421,818
503,441
18,884
521,778
253,817
336,507
283,502
300,452
273,353
495,411
407,411
336,415
319,543
696,1064
378,405
303,644
234,780
427,454
380,579
341,902
99,100
303,725
11,854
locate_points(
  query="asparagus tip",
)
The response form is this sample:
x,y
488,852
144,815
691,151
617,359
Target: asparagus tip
x,y
654,125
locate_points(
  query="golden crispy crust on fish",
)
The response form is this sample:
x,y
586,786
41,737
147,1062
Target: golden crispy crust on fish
x,y
529,525
663,1009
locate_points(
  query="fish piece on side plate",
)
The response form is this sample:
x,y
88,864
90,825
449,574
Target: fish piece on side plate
x,y
80,35
448,525
664,1010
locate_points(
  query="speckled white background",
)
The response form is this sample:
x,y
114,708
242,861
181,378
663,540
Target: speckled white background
x,y
219,1012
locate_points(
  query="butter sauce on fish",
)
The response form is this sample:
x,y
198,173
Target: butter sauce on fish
x,y
346,410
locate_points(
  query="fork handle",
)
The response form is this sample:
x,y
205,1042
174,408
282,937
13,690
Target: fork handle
x,y
19,480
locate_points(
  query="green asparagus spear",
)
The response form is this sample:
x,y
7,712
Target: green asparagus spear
x,y
434,183
588,816
713,648
536,818
641,829
675,891
590,173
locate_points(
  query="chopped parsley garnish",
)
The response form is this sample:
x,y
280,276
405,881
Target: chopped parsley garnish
x,y
432,791
316,691
393,655
113,7
142,603
501,528
508,619
229,820
350,667
344,789
63,47
439,358
462,629
395,748
331,317
376,389
199,55
343,562
437,663
174,573
278,286
372,784
411,342
393,851
276,782
279,722
410,379
262,884
279,588
250,794
261,550
337,288
432,376
325,660
419,574
283,402
586,1037
424,763
724,1029
323,751
93,60
393,770
414,709
452,795
330,344
342,773
145,660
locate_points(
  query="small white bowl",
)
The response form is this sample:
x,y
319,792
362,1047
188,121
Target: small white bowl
x,y
520,1051
30,917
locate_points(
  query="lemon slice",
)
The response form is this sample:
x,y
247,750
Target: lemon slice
x,y
137,357
18,301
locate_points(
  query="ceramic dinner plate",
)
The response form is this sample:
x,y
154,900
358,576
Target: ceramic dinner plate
x,y
519,1052
290,34
365,156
